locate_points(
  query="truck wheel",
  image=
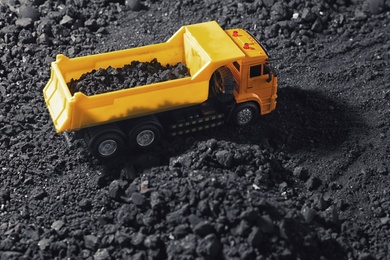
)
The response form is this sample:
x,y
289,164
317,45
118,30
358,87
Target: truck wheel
x,y
105,142
145,134
222,84
244,114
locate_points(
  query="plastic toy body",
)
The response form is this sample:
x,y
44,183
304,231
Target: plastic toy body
x,y
230,80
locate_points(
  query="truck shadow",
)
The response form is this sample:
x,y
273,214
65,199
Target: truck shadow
x,y
303,120
307,119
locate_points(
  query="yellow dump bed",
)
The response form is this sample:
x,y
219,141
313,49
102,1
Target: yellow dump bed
x,y
202,47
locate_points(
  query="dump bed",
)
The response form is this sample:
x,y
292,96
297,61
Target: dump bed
x,y
202,47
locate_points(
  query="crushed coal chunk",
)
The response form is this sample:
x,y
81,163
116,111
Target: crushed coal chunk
x,y
131,75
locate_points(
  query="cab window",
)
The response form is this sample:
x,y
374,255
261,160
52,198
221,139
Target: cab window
x,y
255,71
267,69
236,65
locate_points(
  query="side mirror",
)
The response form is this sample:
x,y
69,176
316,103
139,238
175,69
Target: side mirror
x,y
269,76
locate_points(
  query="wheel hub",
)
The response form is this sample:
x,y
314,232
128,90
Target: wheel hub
x,y
107,147
244,116
145,138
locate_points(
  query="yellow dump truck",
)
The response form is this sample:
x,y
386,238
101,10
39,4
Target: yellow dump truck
x,y
230,80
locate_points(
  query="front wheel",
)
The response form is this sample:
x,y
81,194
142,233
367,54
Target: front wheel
x,y
244,114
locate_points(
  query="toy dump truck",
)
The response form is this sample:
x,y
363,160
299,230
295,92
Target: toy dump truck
x,y
230,80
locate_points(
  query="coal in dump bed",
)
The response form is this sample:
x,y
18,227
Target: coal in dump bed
x,y
131,75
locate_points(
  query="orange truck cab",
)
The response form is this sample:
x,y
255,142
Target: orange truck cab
x,y
253,74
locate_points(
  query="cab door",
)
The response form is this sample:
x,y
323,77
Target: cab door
x,y
260,82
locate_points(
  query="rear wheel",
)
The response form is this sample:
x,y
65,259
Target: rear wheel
x,y
145,133
244,114
105,142
222,84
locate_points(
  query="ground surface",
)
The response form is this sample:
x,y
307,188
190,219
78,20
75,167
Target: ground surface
x,y
309,181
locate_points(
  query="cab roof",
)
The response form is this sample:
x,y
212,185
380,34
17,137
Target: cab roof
x,y
247,43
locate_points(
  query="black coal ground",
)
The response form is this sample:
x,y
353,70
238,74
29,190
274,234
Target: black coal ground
x,y
308,181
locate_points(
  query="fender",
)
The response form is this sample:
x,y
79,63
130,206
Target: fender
x,y
241,98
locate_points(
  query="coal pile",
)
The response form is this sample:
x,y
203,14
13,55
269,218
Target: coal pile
x,y
131,75
231,201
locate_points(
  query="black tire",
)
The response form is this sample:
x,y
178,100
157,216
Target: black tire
x,y
222,84
105,142
144,134
244,114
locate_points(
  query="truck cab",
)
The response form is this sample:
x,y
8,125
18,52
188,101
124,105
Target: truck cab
x,y
254,76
